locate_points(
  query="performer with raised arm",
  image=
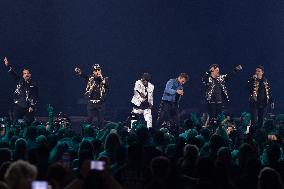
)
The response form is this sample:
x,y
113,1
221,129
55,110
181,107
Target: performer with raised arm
x,y
260,96
25,95
168,109
96,89
143,99
216,90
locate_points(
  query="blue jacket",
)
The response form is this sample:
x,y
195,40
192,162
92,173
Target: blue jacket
x,y
170,91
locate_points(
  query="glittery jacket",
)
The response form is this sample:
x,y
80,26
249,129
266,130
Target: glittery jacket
x,y
95,89
254,86
209,83
26,93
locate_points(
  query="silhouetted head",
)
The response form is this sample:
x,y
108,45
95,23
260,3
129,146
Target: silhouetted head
x,y
269,178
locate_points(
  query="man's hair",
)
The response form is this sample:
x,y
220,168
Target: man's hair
x,y
214,66
184,75
146,76
260,67
26,69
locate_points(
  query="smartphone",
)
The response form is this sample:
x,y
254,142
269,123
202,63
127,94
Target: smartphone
x,y
272,137
39,185
66,160
97,165
21,121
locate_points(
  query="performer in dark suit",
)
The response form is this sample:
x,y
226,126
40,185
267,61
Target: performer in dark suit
x,y
25,95
96,89
260,96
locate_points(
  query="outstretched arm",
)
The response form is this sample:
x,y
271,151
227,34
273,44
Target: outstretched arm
x,y
237,69
79,72
10,70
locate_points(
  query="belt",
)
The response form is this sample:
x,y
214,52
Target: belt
x,y
95,101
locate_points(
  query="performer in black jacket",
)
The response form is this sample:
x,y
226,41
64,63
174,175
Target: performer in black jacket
x,y
216,90
260,96
25,95
96,89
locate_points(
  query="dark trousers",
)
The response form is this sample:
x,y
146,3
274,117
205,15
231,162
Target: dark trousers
x,y
96,110
214,109
257,114
19,112
168,113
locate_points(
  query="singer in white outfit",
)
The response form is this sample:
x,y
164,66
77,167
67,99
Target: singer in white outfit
x,y
143,99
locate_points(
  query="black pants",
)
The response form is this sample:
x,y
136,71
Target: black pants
x,y
214,109
22,113
96,110
257,114
168,112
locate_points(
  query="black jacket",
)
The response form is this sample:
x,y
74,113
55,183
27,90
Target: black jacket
x,y
209,84
95,90
253,85
26,93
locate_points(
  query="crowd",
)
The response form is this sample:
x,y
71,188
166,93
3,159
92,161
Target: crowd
x,y
224,153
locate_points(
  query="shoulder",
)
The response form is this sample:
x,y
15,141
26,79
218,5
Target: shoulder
x,y
171,80
138,82
150,84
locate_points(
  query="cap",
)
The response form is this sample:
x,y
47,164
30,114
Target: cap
x,y
96,67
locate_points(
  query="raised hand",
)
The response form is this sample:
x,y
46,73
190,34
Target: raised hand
x,y
6,61
30,109
78,70
104,80
239,67
254,76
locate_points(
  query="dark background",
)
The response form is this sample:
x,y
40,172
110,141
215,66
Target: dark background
x,y
129,37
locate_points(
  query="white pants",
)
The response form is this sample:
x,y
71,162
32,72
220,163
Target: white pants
x,y
146,113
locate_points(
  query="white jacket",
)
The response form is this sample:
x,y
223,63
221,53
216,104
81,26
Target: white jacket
x,y
137,99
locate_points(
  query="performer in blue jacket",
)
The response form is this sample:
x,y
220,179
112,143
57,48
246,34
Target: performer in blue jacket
x,y
168,109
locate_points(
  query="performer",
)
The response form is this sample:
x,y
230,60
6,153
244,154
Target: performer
x,y
216,90
168,109
260,96
96,89
25,95
143,99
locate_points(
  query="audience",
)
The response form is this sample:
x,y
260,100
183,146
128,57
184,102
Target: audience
x,y
192,157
